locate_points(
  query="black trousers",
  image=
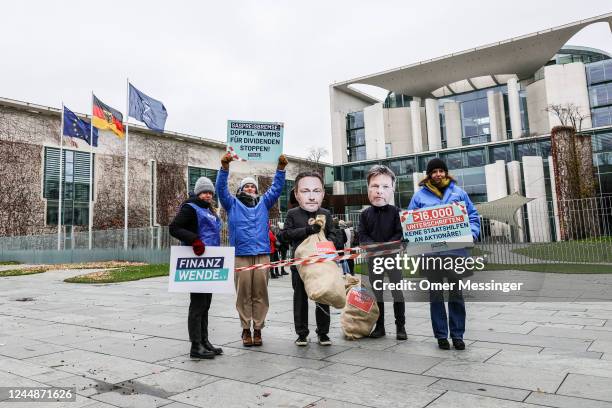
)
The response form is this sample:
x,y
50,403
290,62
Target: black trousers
x,y
300,308
197,322
274,258
399,306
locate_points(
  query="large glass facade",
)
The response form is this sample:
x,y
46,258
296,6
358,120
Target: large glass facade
x,y
355,134
599,79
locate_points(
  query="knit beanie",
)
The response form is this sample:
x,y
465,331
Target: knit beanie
x,y
436,163
248,180
203,185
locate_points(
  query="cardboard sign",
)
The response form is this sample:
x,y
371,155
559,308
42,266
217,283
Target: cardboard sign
x,y
441,223
213,272
361,299
255,141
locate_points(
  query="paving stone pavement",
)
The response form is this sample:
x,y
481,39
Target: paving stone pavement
x,y
126,345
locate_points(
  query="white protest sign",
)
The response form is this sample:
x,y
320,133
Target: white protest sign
x,y
213,272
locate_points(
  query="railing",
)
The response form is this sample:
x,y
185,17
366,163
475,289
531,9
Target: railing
x,y
574,231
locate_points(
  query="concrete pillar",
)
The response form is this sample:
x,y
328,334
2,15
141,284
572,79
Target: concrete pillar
x,y
514,108
374,122
415,116
514,186
399,130
434,138
416,179
553,188
452,116
495,176
338,187
497,119
537,210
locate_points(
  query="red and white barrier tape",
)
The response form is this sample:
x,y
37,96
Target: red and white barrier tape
x,y
325,257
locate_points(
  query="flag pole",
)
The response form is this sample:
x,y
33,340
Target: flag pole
x,y
91,163
59,210
125,191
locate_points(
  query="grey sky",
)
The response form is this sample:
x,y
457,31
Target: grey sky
x,y
257,60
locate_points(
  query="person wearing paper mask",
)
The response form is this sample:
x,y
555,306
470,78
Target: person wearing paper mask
x,y
380,223
247,219
438,188
309,193
197,225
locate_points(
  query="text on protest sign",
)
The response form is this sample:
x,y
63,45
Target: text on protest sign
x,y
212,272
441,223
255,141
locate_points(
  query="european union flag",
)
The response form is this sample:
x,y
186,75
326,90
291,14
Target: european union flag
x,y
148,110
75,127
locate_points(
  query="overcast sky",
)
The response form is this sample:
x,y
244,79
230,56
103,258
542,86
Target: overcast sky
x,y
250,60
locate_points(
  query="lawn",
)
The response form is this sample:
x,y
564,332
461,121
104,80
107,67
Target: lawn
x,y
123,274
9,263
44,268
592,250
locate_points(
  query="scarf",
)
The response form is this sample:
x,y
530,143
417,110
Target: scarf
x,y
438,189
247,200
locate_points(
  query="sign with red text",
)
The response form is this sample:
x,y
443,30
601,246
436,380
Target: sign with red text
x,y
441,223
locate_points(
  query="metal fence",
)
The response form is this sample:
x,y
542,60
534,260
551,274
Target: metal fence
x,y
575,231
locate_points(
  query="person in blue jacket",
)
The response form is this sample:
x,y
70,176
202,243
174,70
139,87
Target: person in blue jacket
x,y
247,219
197,225
436,189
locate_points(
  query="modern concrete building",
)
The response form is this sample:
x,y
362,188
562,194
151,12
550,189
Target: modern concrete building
x,y
163,169
486,111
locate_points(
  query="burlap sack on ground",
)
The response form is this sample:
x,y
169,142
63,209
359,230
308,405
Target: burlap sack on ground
x,y
355,322
323,281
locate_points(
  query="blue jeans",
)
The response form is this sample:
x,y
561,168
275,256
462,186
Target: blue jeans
x,y
456,311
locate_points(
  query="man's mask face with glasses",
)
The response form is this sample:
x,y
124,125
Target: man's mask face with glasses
x,y
380,190
309,193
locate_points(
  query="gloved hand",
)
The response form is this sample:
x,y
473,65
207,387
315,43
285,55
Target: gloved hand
x,y
282,162
198,247
313,229
225,161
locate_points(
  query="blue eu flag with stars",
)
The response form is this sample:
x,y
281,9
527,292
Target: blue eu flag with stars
x,y
76,127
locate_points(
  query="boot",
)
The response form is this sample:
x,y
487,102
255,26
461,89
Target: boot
x,y
198,351
247,340
257,337
379,330
208,346
401,332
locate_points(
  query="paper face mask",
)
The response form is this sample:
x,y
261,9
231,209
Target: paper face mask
x,y
309,193
380,190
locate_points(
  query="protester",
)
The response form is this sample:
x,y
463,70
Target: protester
x,y
197,225
380,223
274,274
247,216
309,193
439,188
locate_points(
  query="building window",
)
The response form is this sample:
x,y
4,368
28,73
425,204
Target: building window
x,y
601,95
196,172
283,201
599,72
601,116
388,150
475,121
500,153
355,134
75,189
402,167
453,160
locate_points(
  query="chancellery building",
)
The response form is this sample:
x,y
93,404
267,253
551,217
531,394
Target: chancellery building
x,y
486,111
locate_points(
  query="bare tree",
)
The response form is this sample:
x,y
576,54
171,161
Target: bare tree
x,y
315,156
568,114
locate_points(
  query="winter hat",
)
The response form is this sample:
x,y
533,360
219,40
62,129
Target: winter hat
x,y
248,180
436,163
203,185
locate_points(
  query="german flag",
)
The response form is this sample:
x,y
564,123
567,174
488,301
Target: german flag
x,y
105,117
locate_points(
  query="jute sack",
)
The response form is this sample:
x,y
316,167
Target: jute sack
x,y
322,281
361,311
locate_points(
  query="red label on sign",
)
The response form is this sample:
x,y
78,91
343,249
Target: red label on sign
x,y
325,247
360,299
